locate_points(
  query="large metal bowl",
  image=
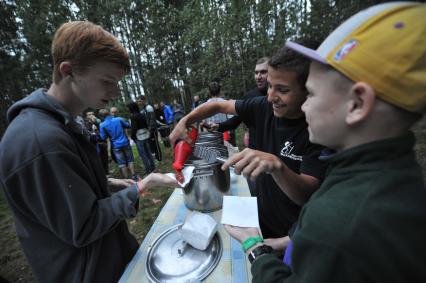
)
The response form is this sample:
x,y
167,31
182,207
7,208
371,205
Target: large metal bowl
x,y
207,187
169,260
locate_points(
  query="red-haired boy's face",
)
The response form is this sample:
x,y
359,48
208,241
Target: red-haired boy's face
x,y
96,85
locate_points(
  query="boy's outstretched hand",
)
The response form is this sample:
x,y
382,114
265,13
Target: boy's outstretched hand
x,y
156,180
241,233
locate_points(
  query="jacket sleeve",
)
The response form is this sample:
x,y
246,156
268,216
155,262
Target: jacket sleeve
x,y
168,114
269,268
124,123
312,261
230,124
246,107
54,190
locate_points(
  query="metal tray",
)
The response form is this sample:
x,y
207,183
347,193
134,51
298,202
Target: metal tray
x,y
170,260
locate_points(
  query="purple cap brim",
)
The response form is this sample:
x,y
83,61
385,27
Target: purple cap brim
x,y
310,53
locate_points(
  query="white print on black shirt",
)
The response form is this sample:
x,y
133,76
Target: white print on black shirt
x,y
286,151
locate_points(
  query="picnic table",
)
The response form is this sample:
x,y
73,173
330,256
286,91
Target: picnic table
x,y
233,266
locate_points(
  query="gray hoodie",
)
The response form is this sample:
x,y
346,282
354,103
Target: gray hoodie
x,y
71,228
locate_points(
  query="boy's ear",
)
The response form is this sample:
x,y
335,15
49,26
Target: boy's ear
x,y
361,102
65,68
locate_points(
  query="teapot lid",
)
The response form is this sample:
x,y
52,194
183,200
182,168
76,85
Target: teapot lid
x,y
170,259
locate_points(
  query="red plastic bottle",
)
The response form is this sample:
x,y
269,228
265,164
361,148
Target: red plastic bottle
x,y
182,151
226,136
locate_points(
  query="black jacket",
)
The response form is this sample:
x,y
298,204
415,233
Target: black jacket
x,y
138,121
70,227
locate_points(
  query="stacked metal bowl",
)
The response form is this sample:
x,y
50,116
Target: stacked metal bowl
x,y
210,183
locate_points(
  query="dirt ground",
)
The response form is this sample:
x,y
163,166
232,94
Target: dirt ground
x,y
14,267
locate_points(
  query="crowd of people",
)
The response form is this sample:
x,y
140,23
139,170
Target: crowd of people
x,y
146,126
111,134
330,159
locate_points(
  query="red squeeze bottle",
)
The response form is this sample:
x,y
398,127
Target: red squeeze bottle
x,y
226,136
182,151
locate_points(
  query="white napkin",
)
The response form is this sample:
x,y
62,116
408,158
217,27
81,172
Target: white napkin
x,y
187,174
198,230
240,211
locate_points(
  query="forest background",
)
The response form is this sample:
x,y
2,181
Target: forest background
x,y
176,47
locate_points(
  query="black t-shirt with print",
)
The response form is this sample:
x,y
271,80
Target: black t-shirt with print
x,y
289,140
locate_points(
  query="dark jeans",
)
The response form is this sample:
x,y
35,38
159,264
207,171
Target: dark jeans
x,y
154,145
145,155
123,156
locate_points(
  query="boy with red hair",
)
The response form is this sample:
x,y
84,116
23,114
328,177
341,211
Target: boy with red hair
x,y
70,226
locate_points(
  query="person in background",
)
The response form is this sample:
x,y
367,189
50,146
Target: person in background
x,y
178,111
214,90
92,127
261,89
163,129
90,116
168,113
159,115
92,124
369,213
149,112
215,96
71,228
113,128
196,102
114,111
140,135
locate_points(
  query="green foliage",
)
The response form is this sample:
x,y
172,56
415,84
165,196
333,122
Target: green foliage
x,y
176,47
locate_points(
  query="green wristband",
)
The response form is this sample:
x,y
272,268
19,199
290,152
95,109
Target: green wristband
x,y
250,242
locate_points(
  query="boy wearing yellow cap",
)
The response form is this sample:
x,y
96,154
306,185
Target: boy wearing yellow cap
x,y
367,221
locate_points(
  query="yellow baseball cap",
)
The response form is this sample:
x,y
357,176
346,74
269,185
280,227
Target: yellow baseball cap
x,y
385,46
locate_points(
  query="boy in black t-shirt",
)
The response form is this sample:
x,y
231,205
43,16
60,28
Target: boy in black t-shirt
x,y
284,150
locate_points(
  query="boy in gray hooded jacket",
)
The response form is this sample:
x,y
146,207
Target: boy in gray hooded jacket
x,y
71,228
